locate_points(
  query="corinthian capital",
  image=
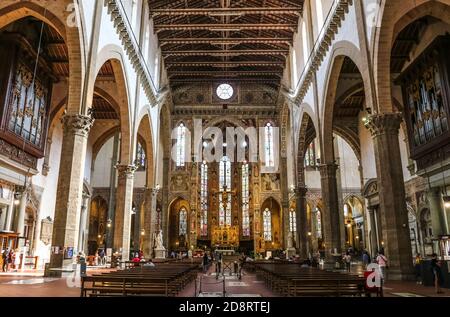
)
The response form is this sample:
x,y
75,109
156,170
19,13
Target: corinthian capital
x,y
126,171
77,124
384,123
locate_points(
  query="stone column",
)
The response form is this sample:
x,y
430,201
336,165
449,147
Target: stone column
x,y
137,228
83,220
393,213
284,202
302,219
330,213
112,192
147,225
373,238
70,186
165,203
436,211
124,203
21,210
340,192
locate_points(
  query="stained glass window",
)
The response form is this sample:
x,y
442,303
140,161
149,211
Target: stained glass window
x,y
183,222
204,200
28,106
270,162
319,223
292,221
427,113
181,145
245,201
225,174
140,157
310,155
267,218
225,189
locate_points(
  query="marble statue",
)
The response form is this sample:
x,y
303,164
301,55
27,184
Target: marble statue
x,y
159,240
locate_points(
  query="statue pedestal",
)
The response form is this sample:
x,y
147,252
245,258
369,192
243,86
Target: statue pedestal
x,y
291,252
160,253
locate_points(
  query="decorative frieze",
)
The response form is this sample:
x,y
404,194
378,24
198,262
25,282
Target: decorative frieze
x,y
131,47
322,47
14,153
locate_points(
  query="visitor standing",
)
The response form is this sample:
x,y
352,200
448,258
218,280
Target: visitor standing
x,y
418,268
5,256
365,259
82,262
437,273
347,260
205,262
382,262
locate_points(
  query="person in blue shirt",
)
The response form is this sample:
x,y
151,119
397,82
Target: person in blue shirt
x,y
365,259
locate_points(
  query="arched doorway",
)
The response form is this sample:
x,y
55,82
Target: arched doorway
x,y
97,224
271,235
179,225
354,223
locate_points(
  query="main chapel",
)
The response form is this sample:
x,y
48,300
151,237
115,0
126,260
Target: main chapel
x,y
308,137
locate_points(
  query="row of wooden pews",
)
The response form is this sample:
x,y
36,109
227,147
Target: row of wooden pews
x,y
290,279
165,279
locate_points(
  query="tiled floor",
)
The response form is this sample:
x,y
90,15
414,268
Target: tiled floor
x,y
35,285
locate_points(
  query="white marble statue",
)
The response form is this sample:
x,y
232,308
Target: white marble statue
x,y
159,240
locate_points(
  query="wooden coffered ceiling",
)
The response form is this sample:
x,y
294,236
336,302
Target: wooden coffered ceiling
x,y
224,40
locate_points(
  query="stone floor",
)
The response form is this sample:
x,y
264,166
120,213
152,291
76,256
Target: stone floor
x,y
33,284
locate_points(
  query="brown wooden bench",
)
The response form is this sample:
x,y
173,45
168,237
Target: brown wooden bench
x,y
163,280
289,279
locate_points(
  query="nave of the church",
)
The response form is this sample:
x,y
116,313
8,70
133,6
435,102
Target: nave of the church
x,y
195,148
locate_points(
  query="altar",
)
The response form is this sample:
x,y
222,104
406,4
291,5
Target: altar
x,y
226,236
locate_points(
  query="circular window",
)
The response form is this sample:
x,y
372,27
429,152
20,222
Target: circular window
x,y
225,91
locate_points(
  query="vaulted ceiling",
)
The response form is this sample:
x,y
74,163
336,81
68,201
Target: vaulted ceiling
x,y
224,40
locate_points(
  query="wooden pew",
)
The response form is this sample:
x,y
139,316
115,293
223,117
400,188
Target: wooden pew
x,y
289,279
165,279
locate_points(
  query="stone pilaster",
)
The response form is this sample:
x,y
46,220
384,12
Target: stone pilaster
x,y
434,197
165,203
330,213
21,190
373,232
393,213
302,221
76,129
122,219
84,227
284,202
112,193
150,225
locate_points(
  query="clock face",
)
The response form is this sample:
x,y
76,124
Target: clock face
x,y
225,91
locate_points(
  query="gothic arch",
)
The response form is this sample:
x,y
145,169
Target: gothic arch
x,y
341,50
145,131
123,104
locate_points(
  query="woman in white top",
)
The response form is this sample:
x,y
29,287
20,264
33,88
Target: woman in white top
x,y
382,264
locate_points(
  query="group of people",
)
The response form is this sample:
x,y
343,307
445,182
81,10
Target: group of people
x,y
138,259
436,271
10,259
